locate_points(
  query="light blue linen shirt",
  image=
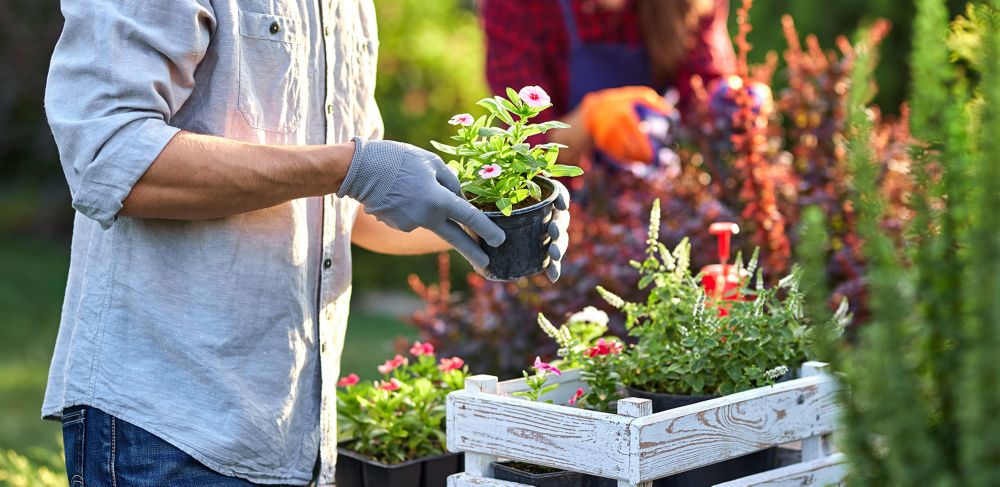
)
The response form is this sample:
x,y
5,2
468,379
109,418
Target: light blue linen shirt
x,y
222,337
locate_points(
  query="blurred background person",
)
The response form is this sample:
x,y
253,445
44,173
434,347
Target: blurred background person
x,y
607,65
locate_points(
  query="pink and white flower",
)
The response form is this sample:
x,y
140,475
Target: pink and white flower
x,y
463,119
490,171
392,384
392,364
545,366
350,380
453,363
576,397
534,96
419,349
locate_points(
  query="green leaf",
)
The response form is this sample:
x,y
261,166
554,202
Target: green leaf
x,y
480,123
533,163
491,132
507,104
447,149
562,170
496,109
514,97
505,206
534,190
477,189
551,145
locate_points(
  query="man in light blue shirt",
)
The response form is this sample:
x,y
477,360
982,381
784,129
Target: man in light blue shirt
x,y
208,149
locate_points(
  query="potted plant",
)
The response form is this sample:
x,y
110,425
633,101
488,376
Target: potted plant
x,y
527,473
583,346
504,175
394,427
691,347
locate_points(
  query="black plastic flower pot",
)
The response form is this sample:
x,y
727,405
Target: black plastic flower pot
x,y
708,475
525,251
516,472
436,470
355,470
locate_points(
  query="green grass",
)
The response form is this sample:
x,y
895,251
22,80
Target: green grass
x,y
32,281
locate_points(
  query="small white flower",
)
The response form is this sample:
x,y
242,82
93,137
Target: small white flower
x,y
612,298
590,314
776,373
547,326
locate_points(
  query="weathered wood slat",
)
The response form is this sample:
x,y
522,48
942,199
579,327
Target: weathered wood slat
x,y
825,471
478,463
544,434
635,408
822,445
467,480
635,447
705,433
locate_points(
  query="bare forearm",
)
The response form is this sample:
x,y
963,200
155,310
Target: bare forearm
x,y
371,234
200,177
575,137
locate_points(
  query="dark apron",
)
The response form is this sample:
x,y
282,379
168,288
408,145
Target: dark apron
x,y
596,66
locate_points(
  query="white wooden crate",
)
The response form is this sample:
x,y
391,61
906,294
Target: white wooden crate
x,y
636,446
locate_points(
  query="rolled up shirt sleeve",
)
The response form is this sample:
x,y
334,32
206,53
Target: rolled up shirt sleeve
x,y
120,71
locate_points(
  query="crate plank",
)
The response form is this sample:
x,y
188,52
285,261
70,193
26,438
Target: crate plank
x,y
705,433
544,434
822,445
468,480
825,471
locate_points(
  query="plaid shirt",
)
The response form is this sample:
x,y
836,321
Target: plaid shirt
x,y
527,44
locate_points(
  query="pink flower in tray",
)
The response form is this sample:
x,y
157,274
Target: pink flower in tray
x,y
490,171
350,380
453,363
576,397
534,96
392,384
419,349
547,367
463,119
392,364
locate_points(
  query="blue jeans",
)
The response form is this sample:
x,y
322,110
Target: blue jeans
x,y
104,451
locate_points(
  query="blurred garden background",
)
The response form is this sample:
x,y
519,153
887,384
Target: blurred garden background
x,y
430,66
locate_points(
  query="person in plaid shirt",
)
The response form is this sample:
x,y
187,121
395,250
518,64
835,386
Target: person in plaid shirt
x,y
602,61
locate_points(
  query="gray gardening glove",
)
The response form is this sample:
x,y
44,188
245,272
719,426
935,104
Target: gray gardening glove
x,y
558,231
407,187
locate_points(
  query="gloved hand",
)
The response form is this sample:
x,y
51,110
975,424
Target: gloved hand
x,y
407,187
612,120
558,231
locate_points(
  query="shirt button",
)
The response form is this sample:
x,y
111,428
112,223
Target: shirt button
x,y
322,347
326,30
275,27
327,264
329,108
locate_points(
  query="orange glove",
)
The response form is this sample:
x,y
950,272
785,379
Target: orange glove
x,y
611,119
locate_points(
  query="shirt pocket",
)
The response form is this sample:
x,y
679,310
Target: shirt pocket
x,y
271,57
